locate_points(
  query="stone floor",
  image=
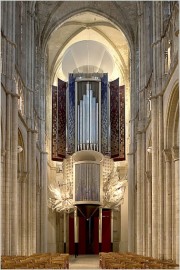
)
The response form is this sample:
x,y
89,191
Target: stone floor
x,y
84,262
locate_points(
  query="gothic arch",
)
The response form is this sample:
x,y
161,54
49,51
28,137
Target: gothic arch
x,y
119,21
172,119
57,59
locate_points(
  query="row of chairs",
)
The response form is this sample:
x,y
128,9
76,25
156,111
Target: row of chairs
x,y
128,260
36,261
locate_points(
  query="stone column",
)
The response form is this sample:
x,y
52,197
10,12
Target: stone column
x,y
38,219
19,182
161,178
139,196
8,173
8,67
44,202
75,231
3,198
100,229
175,154
149,214
168,204
33,147
14,184
29,193
155,193
131,204
65,225
24,224
112,229
143,193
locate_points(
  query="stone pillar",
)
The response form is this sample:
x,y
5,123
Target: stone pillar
x,y
112,229
131,204
14,184
44,202
161,178
11,219
33,149
29,193
38,219
155,192
65,225
168,204
100,229
24,224
143,192
175,154
3,197
19,180
75,231
8,173
149,214
139,196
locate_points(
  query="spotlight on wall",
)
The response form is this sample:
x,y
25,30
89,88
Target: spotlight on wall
x,y
149,149
19,149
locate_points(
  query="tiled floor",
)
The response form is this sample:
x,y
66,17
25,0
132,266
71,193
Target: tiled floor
x,y
84,262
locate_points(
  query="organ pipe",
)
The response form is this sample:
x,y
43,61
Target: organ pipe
x,y
87,122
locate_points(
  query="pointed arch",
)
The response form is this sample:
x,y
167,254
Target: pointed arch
x,y
172,119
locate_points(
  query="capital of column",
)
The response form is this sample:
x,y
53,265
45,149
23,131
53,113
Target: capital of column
x,y
14,95
44,153
175,153
167,155
32,130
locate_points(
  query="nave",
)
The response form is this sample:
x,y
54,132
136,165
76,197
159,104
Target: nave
x,y
127,187
84,262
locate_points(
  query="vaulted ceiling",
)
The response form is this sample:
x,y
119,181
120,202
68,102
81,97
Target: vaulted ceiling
x,y
87,35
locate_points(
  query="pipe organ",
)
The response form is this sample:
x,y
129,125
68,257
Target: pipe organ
x,y
88,123
87,116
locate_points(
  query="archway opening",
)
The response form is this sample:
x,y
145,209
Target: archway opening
x,y
88,43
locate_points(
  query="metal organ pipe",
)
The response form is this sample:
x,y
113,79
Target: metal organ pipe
x,y
87,121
